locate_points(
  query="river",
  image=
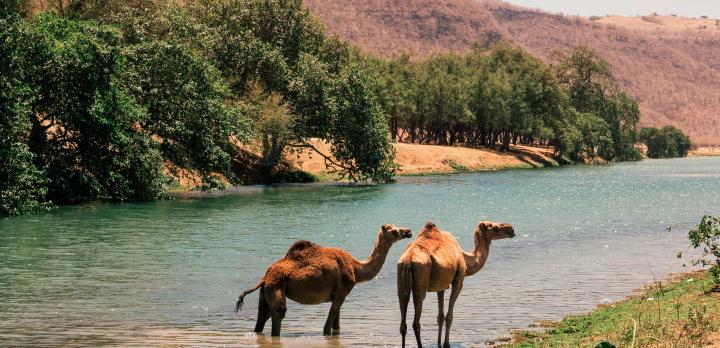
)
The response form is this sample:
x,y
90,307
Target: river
x,y
168,273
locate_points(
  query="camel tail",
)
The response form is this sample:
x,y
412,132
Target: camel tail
x,y
239,303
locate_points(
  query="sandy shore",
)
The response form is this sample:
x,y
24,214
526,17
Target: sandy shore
x,y
415,159
704,151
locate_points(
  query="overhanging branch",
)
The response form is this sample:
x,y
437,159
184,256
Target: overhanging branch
x,y
328,159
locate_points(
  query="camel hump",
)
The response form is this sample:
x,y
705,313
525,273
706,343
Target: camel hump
x,y
299,248
430,231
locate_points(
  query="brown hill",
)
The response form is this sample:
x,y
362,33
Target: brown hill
x,y
669,64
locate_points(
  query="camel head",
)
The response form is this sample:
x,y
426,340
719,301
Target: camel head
x,y
489,231
392,233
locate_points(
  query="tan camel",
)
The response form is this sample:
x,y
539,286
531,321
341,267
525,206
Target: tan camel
x,y
433,262
311,274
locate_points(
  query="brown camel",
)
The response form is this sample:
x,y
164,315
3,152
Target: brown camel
x,y
433,262
311,274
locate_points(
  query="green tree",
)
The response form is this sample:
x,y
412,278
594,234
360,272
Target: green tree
x,y
84,135
22,185
666,142
591,88
358,134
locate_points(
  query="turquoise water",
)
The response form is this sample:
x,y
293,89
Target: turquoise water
x,y
169,273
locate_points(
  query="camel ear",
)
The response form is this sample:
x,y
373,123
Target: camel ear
x,y
430,226
385,227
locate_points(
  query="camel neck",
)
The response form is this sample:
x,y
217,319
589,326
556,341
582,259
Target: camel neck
x,y
367,269
476,260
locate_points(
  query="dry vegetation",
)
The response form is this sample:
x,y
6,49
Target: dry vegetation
x,y
668,63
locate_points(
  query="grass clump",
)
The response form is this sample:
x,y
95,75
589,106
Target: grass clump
x,y
684,312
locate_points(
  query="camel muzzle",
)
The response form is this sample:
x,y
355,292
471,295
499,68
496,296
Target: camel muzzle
x,y
406,233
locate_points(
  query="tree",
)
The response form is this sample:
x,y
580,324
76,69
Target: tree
x,y
85,135
272,123
588,81
358,134
22,184
666,142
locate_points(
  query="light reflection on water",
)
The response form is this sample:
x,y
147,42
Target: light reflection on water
x,y
168,273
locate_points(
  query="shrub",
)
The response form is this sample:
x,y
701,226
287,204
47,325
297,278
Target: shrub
x,y
707,237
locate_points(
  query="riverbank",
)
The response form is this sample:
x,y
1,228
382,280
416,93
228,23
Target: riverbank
x,y
417,159
705,152
680,312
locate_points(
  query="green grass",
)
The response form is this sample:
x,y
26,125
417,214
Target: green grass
x,y
680,313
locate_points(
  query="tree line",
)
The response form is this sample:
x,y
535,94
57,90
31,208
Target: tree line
x,y
101,98
502,95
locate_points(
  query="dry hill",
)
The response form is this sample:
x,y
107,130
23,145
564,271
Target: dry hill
x,y
670,64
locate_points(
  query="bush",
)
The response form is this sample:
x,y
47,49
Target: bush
x,y
666,142
707,237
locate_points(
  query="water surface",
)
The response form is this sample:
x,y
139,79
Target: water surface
x,y
168,273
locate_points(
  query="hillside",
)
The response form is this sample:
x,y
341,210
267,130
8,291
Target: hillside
x,y
668,64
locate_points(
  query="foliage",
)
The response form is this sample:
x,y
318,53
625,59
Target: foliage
x,y
707,237
183,98
272,123
358,133
297,82
10,8
591,89
22,184
83,132
666,142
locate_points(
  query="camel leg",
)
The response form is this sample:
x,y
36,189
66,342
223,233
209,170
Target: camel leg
x,y
276,303
263,312
456,287
420,279
404,299
336,325
333,315
441,315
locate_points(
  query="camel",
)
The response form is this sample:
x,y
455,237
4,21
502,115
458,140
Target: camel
x,y
433,262
311,274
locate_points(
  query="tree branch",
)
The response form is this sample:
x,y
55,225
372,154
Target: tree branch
x,y
326,157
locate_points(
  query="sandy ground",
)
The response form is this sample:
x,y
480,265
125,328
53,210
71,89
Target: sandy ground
x,y
415,159
704,151
715,338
